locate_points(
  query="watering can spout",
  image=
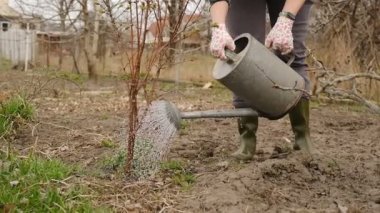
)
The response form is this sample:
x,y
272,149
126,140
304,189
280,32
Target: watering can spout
x,y
175,115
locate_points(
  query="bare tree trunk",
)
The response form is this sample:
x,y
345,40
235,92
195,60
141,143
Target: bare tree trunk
x,y
62,17
175,7
75,53
133,123
102,45
88,49
48,52
64,8
96,26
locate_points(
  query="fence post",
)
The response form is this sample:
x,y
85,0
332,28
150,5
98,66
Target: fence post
x,y
27,47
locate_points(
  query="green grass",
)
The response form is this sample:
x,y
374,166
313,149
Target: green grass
x,y
143,164
70,76
348,106
315,104
108,143
172,165
76,78
13,112
184,127
333,164
354,107
115,162
179,175
185,180
5,65
34,184
128,76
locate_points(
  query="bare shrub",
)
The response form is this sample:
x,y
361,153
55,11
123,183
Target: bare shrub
x,y
345,44
143,60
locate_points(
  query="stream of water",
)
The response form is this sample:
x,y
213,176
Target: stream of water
x,y
153,140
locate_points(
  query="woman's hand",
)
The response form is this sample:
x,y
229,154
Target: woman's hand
x,y
281,37
220,40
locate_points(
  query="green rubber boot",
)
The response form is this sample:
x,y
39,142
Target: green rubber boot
x,y
247,129
299,119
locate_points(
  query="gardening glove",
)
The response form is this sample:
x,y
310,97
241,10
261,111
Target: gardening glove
x,y
220,40
280,37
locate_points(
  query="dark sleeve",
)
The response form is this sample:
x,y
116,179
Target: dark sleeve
x,y
214,1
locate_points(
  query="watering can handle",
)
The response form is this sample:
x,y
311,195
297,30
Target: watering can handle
x,y
232,57
291,55
292,58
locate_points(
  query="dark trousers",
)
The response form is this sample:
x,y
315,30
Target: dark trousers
x,y
249,16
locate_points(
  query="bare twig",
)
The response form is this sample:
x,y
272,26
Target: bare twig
x,y
291,89
329,82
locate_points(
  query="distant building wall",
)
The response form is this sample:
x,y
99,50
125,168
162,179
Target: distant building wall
x,y
17,45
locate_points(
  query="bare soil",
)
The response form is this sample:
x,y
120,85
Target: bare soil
x,y
72,122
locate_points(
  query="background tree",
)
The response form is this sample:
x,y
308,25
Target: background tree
x,y
90,34
63,7
175,12
345,50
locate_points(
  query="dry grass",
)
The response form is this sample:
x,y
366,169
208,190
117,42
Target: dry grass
x,y
195,67
339,56
198,67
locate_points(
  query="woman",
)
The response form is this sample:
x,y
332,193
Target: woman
x,y
289,20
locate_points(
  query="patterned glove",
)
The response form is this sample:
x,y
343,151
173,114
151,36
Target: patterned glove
x,y
281,37
220,40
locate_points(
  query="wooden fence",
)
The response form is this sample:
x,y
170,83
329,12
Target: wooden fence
x,y
18,46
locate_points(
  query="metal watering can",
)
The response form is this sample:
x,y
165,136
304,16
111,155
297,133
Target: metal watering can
x,y
257,75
